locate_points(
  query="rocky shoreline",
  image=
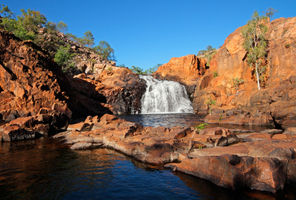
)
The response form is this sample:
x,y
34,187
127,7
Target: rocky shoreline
x,y
263,161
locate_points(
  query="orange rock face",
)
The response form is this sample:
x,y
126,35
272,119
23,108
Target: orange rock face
x,y
232,96
121,88
31,84
186,70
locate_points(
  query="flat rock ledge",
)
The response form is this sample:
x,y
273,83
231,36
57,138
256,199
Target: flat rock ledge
x,y
262,161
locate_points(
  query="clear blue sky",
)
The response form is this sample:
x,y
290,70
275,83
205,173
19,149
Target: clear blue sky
x,y
149,32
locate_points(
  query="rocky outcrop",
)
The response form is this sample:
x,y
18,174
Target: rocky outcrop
x,y
28,80
122,88
32,85
227,92
85,59
186,70
260,161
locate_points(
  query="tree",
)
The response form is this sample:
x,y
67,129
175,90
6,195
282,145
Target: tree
x,y
270,12
51,26
87,39
62,27
152,69
105,50
137,70
32,20
5,11
255,43
25,26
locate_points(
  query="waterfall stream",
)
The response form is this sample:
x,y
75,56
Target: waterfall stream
x,y
164,97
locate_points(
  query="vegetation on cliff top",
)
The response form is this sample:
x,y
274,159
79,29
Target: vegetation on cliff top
x,y
141,71
208,53
32,25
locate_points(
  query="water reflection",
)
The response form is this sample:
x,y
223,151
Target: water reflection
x,y
179,119
211,191
47,169
43,169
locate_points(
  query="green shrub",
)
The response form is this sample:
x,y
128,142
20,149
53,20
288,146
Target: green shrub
x,y
215,74
237,82
211,102
63,58
201,126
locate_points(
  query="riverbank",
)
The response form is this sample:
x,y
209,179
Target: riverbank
x,y
235,159
48,169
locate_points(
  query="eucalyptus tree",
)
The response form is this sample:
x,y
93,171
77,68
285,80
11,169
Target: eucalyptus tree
x,y
255,43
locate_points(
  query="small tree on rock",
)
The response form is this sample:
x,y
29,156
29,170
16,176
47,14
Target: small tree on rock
x,y
62,27
270,12
105,50
255,43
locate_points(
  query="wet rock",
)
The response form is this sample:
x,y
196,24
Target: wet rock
x,y
85,146
253,160
15,133
235,172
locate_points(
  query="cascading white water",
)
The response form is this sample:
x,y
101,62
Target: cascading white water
x,y
164,97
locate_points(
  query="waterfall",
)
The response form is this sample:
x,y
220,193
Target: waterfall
x,y
164,97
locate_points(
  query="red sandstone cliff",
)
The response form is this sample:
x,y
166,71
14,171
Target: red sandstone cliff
x,y
243,103
227,91
186,70
37,98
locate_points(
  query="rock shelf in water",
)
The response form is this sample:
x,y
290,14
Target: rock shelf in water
x,y
262,161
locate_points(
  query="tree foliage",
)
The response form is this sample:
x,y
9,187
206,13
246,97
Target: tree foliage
x,y
137,70
208,53
24,26
255,43
105,50
5,11
141,71
270,12
87,40
62,27
63,58
32,25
